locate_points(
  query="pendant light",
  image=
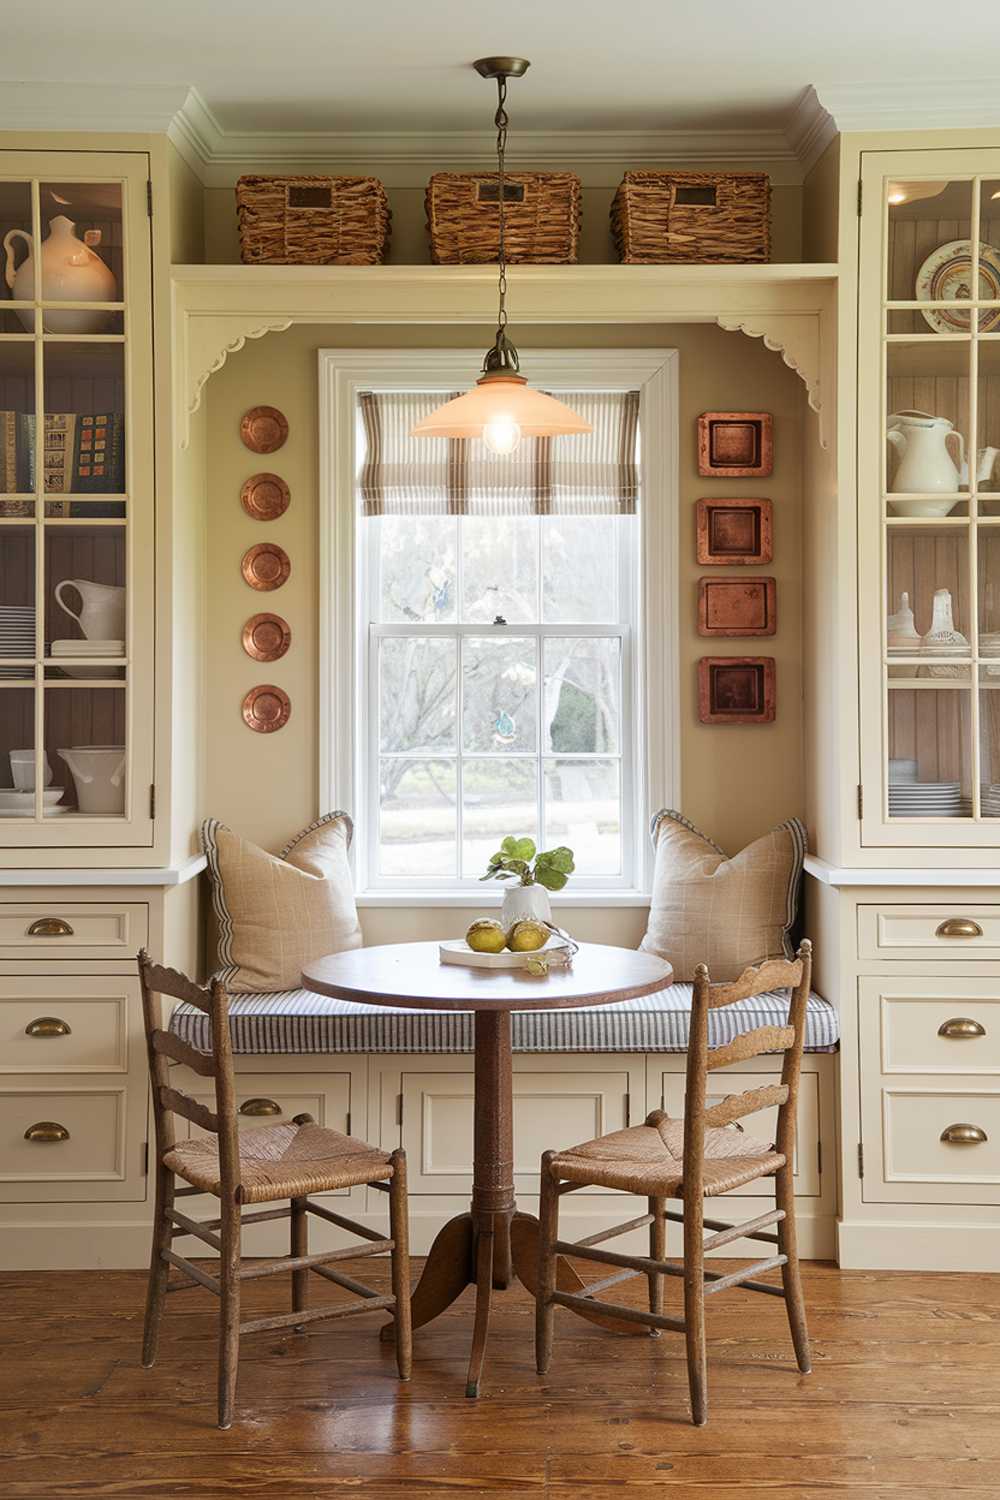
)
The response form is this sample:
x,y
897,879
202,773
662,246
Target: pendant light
x,y
502,408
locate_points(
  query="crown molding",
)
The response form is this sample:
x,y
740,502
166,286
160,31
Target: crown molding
x,y
911,104
809,128
119,109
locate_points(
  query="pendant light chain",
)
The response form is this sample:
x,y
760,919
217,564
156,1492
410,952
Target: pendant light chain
x,y
501,122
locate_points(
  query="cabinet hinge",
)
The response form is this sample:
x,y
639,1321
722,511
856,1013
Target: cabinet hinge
x,y
819,1158
628,1110
348,1122
860,195
145,1158
399,1109
861,801
149,197
861,1159
152,801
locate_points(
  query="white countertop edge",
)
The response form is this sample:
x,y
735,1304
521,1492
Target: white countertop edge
x,y
857,875
164,875
471,901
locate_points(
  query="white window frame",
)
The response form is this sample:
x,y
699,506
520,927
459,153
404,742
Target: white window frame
x,y
651,681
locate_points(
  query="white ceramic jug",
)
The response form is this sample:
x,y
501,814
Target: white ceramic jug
x,y
985,462
102,608
926,466
71,272
99,774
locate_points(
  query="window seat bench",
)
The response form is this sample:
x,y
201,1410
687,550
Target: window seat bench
x,y
301,1022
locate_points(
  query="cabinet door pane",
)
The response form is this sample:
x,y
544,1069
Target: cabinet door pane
x,y
81,254
85,744
17,750
927,426
928,218
18,262
17,425
84,395
929,752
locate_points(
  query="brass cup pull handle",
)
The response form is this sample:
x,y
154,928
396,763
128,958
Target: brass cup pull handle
x,y
260,1107
46,1130
50,927
964,1135
960,927
48,1026
962,1028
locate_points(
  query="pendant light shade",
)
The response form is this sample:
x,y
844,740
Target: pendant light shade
x,y
502,408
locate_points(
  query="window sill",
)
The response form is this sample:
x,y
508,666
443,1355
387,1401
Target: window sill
x,y
473,901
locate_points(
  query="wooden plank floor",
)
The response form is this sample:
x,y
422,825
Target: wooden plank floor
x,y
903,1402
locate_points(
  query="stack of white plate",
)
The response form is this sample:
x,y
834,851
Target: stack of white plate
x,y
925,799
989,800
67,650
22,804
17,637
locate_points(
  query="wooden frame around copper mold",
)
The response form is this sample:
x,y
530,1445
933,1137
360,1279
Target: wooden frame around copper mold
x,y
744,536
736,604
735,444
757,705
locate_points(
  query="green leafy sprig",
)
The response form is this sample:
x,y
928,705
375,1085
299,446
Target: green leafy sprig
x,y
513,861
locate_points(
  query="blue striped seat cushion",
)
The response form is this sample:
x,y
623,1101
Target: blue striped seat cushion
x,y
298,1021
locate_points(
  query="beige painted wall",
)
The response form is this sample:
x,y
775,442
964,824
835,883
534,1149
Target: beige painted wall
x,y
737,781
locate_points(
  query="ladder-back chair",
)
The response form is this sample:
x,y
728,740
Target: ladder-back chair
x,y
266,1164
701,1156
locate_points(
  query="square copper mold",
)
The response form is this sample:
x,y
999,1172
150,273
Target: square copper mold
x,y
737,606
734,532
736,690
735,444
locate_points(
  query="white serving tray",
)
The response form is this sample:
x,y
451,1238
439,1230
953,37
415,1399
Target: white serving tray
x,y
457,951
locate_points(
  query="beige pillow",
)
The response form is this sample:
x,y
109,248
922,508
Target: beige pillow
x,y
727,913
278,912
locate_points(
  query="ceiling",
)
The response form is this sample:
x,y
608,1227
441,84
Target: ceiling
x,y
400,65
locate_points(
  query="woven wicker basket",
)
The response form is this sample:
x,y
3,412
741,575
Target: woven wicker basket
x,y
312,221
659,217
541,217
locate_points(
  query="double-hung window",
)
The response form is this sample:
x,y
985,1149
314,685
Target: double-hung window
x,y
499,643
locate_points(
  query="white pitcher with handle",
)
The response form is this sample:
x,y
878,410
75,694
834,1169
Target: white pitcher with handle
x,y
71,271
102,608
926,466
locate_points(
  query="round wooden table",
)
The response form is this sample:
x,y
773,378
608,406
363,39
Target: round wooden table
x,y
491,1242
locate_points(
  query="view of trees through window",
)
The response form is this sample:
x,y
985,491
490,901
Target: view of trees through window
x,y
497,649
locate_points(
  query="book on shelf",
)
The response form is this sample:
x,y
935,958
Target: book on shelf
x,y
83,454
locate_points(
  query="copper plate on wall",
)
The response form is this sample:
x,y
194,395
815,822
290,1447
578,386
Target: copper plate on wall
x,y
266,708
266,637
265,566
265,497
264,429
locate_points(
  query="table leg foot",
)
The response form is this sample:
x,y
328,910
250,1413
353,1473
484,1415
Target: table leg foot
x,y
524,1248
484,1296
448,1270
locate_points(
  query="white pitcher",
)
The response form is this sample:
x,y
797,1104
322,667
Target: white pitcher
x,y
71,272
926,465
985,463
99,774
102,608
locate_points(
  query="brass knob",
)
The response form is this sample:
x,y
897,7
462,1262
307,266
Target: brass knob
x,y
959,927
260,1107
964,1135
46,1130
962,1028
50,927
48,1026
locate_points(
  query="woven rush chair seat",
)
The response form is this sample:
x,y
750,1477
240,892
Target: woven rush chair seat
x,y
649,1159
282,1161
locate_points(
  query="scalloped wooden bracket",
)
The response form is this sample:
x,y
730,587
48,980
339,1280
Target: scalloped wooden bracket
x,y
796,337
206,343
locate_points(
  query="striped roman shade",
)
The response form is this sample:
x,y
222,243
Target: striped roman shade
x,y
594,473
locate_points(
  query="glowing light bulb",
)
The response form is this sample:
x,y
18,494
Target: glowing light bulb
x,y
501,435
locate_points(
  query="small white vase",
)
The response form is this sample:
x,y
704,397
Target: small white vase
x,y
523,901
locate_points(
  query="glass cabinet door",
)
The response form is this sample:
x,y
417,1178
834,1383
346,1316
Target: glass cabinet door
x,y
76,578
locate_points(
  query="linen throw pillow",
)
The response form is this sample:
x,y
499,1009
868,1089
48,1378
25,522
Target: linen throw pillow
x,y
278,912
726,913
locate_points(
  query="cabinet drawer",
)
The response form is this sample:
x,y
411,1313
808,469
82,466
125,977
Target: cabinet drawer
x,y
89,1143
65,1023
922,1030
930,932
916,1125
73,929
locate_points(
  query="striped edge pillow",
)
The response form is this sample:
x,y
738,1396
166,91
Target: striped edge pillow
x,y
277,913
726,913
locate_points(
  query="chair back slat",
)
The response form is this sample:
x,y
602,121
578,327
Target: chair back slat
x,y
175,984
736,1106
201,1063
759,979
750,1044
182,1104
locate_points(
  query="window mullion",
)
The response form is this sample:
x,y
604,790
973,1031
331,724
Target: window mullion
x,y
459,750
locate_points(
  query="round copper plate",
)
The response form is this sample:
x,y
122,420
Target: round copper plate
x,y
263,429
266,709
265,497
265,566
266,637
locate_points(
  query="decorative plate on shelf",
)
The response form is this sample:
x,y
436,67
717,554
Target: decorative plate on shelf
x,y
946,276
264,429
265,566
266,637
265,497
266,708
